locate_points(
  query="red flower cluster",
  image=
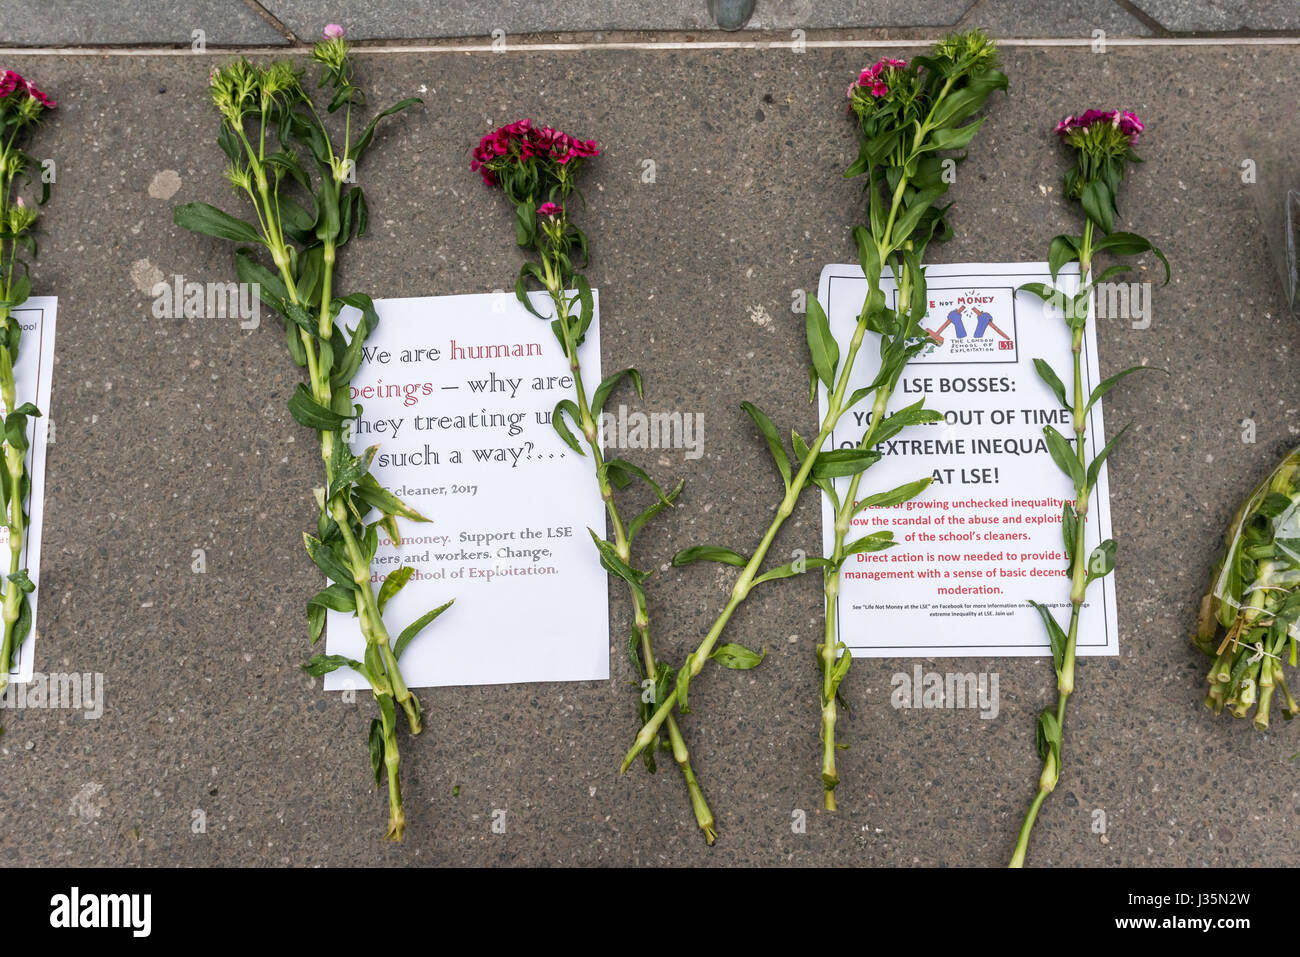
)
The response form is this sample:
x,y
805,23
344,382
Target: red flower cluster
x,y
1127,123
873,77
521,141
11,82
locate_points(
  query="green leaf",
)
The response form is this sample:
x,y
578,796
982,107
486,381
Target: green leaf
x,y
269,287
336,598
1094,470
19,291
1063,455
841,462
1048,736
372,493
895,496
790,569
414,628
622,472
587,310
912,415
1041,290
1130,244
1107,384
376,744
954,139
655,508
737,657
683,685
1063,250
868,253
709,553
915,208
1048,375
605,388
561,429
321,665
615,565
21,579
363,303
368,134
1069,530
348,468
1055,636
327,561
307,411
210,221
1097,203
351,361
774,445
1102,560
875,542
822,346
393,584
521,293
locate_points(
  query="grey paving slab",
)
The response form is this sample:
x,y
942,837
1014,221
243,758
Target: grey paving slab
x,y
173,435
1217,15
1065,18
76,22
443,18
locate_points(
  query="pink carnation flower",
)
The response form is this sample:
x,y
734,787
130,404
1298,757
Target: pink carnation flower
x,y
11,83
873,78
1125,121
526,142
333,31
39,97
549,209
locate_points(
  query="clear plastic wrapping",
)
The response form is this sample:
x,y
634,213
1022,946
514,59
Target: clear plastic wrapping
x,y
1248,621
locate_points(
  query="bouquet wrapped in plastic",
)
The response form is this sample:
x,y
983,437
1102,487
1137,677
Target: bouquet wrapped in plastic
x,y
1248,616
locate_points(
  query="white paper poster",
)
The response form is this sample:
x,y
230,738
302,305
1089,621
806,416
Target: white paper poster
x,y
32,377
457,392
985,537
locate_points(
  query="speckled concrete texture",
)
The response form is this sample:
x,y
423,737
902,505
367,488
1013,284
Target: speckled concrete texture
x,y
269,22
172,22
172,435
442,18
1223,15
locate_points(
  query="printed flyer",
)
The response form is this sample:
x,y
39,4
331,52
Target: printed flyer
x,y
457,392
985,537
32,376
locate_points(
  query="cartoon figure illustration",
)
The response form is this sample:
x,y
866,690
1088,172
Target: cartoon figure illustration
x,y
958,327
985,322
956,319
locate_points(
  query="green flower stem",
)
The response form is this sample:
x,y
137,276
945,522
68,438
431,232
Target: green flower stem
x,y
740,591
831,587
1078,567
623,546
388,681
831,575
15,468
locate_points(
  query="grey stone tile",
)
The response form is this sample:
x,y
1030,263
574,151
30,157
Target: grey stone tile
x,y
75,22
173,434
1223,14
1063,18
447,18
